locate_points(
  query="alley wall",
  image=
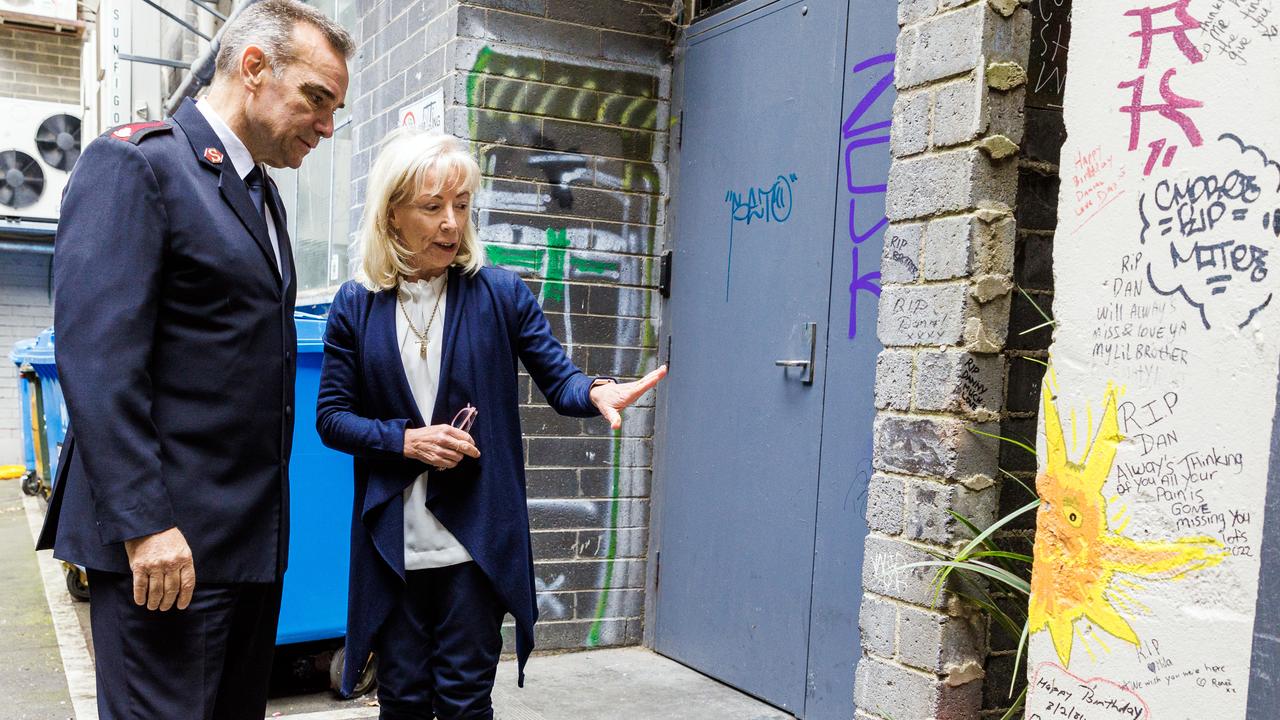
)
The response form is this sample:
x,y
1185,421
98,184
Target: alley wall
x,y
1159,412
566,103
26,308
39,66
45,67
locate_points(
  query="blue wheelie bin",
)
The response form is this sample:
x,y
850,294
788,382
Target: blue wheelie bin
x,y
43,411
41,358
314,605
28,399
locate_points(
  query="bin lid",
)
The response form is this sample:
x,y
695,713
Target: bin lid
x,y
21,349
310,331
42,353
37,350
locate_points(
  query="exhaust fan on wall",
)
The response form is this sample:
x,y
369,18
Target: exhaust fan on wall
x,y
39,144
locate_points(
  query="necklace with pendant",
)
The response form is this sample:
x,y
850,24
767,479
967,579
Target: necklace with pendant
x,y
422,336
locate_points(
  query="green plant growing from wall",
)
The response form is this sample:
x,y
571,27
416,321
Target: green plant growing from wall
x,y
982,559
983,564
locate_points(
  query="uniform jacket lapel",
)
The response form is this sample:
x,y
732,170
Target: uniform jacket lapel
x,y
234,192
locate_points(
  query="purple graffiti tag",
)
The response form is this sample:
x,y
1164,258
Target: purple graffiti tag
x,y
848,129
860,282
858,136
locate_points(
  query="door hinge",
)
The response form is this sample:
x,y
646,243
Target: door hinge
x,y
664,274
680,131
657,570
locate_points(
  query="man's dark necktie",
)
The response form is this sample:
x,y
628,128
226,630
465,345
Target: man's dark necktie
x,y
256,182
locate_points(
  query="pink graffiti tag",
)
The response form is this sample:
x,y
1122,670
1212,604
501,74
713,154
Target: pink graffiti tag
x,y
1171,109
1173,104
1179,31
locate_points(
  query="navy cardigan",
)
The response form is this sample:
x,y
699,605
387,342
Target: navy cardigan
x,y
491,321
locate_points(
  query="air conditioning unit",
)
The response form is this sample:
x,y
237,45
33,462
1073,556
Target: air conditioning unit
x,y
59,9
39,142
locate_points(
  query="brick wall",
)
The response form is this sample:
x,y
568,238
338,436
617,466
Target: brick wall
x,y
567,104
39,66
25,309
944,319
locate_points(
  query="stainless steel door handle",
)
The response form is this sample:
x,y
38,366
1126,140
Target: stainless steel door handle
x,y
808,366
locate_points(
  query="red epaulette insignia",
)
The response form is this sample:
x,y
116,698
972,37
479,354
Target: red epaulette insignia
x,y
213,155
125,132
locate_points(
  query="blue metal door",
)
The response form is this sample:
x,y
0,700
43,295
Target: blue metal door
x,y
778,218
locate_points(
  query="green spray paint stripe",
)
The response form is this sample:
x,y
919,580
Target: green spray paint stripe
x,y
595,267
651,120
631,110
526,258
483,58
557,242
593,637
549,262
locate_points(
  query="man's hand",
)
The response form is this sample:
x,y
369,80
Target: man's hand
x,y
609,398
163,571
440,446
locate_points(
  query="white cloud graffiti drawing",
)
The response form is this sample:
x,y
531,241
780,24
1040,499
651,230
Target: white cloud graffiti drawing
x,y
1221,225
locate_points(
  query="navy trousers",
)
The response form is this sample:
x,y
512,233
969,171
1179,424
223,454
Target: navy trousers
x,y
438,651
211,661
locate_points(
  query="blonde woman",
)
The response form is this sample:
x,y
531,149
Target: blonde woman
x,y
421,347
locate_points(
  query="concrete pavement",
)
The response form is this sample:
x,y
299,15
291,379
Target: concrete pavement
x,y
46,663
32,683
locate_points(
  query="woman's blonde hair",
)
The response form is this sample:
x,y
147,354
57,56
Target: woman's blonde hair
x,y
412,162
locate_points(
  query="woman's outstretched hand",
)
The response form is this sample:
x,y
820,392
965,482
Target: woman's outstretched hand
x,y
610,398
440,446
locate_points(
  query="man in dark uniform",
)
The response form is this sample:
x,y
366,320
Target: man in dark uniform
x,y
174,290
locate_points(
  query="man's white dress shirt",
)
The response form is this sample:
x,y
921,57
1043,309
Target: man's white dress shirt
x,y
242,161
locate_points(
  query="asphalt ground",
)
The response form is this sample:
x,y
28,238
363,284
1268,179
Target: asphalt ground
x,y
46,660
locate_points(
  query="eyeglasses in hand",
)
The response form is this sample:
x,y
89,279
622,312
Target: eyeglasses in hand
x,y
465,418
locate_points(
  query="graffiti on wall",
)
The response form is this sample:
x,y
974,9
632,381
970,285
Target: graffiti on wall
x,y
1173,107
1050,36
1231,27
771,204
1164,287
1083,564
862,134
1210,233
570,211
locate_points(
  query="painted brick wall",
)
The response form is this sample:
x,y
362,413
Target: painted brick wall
x,y
947,274
567,104
26,308
39,66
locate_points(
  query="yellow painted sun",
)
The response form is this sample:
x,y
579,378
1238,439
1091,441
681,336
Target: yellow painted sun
x,y
1078,555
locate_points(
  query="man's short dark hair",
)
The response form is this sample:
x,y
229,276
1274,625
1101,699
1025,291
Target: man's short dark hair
x,y
269,25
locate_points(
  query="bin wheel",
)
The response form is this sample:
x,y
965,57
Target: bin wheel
x,y
368,679
77,583
30,484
